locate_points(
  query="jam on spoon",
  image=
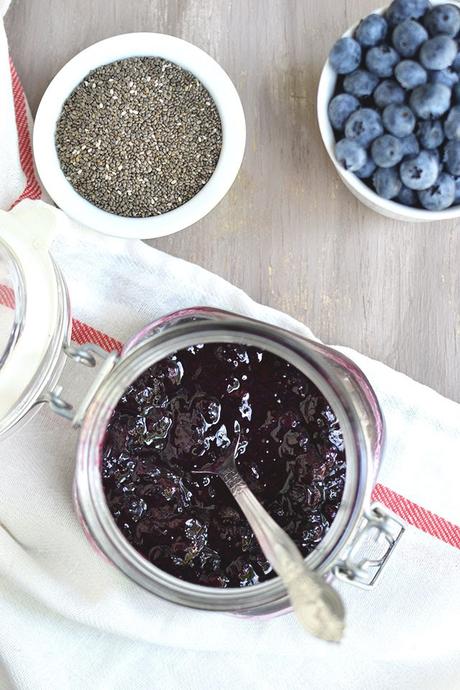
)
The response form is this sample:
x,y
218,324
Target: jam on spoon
x,y
180,415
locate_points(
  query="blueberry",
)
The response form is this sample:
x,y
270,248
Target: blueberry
x,y
410,74
438,52
381,60
452,157
340,108
407,196
456,93
456,63
386,182
386,151
350,154
363,126
457,190
420,172
360,83
430,100
345,55
400,10
441,195
408,37
410,145
371,30
443,19
388,91
436,156
452,123
367,170
398,120
444,76
430,134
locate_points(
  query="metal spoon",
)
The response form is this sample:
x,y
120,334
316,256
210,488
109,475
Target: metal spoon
x,y
317,605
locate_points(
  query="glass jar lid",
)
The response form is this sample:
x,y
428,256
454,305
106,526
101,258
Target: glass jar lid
x,y
34,313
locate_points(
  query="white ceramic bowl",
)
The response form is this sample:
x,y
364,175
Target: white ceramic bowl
x,y
191,58
392,209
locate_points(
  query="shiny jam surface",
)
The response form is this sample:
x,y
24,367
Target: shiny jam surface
x,y
179,415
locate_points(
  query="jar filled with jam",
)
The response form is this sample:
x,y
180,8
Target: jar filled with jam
x,y
310,432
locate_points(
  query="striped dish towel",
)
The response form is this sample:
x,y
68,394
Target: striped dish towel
x,y
68,620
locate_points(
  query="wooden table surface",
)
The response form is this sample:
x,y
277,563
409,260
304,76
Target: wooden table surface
x,y
288,233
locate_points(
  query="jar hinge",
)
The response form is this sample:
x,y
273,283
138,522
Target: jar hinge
x,y
378,533
88,355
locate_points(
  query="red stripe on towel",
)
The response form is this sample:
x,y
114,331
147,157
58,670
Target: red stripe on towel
x,y
82,333
32,189
7,298
416,515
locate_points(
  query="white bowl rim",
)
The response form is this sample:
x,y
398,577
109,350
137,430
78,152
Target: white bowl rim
x,y
139,44
388,207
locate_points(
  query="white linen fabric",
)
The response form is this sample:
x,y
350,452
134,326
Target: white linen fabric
x,y
70,621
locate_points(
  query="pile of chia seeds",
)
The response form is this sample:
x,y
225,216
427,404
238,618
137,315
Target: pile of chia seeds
x,y
139,137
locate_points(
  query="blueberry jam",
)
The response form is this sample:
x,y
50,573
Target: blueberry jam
x,y
180,415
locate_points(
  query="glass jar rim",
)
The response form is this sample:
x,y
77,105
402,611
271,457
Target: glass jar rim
x,y
305,355
12,297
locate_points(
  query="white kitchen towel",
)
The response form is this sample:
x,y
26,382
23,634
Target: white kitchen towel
x,y
70,621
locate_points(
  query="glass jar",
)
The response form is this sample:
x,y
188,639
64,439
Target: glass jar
x,y
344,552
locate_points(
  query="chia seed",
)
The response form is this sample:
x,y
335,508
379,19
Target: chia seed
x,y
139,137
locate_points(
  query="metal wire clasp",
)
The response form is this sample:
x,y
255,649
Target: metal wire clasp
x,y
88,355
379,530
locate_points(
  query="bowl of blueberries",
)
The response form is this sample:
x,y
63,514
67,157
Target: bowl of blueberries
x,y
389,110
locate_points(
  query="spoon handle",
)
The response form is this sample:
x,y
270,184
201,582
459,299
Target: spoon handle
x,y
317,605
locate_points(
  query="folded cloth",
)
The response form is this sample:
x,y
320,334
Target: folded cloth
x,y
71,621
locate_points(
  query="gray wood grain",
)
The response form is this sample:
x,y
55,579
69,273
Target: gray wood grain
x,y
288,232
